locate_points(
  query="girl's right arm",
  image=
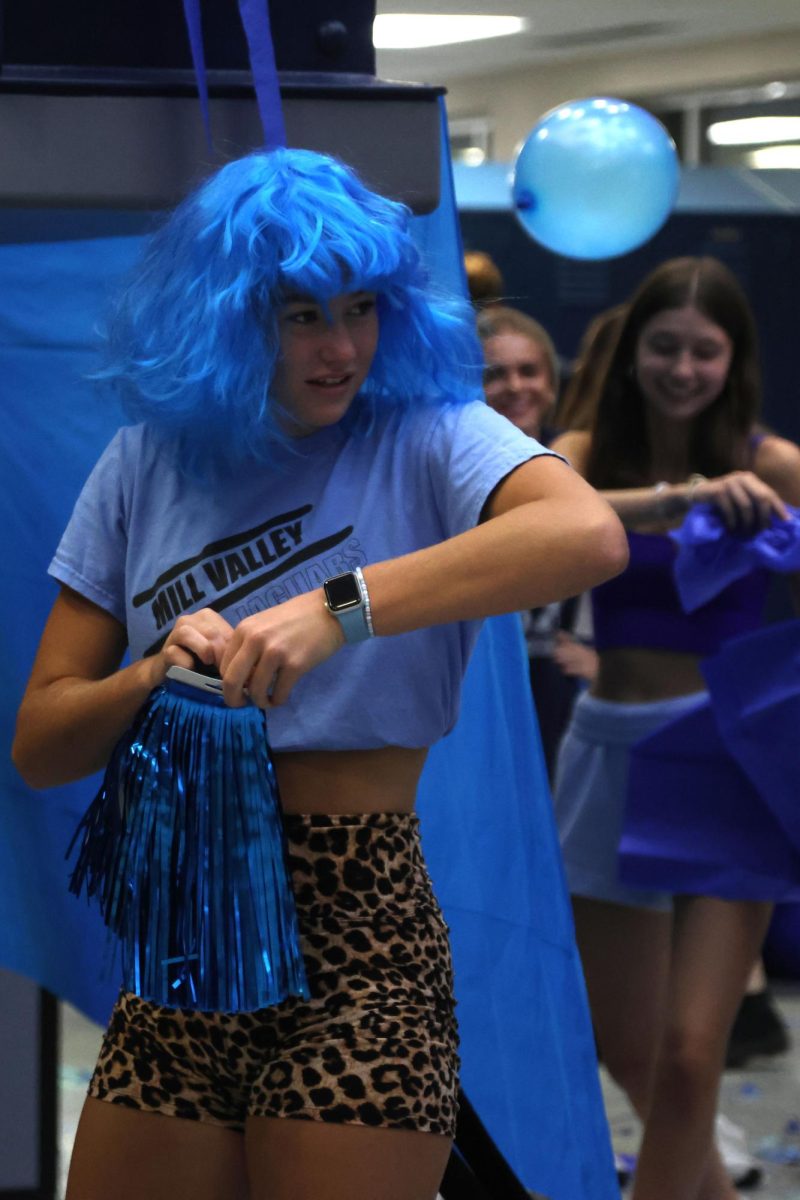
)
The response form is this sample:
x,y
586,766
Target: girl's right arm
x,y
745,500
78,702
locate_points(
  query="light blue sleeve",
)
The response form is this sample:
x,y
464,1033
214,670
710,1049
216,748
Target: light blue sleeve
x,y
471,449
91,556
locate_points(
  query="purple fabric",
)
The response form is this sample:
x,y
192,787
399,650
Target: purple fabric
x,y
755,689
642,606
710,557
194,25
696,825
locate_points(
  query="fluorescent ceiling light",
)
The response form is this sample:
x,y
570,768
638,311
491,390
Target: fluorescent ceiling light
x,y
412,31
472,156
754,131
776,158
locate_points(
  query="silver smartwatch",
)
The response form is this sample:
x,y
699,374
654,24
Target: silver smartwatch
x,y
347,599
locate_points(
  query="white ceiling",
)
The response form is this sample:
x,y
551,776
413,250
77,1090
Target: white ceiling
x,y
570,29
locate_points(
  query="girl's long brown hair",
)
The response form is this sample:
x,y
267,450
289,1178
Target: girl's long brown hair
x,y
578,404
620,454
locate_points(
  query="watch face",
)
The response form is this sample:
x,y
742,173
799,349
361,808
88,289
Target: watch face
x,y
342,592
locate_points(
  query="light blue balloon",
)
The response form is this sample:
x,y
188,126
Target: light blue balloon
x,y
595,178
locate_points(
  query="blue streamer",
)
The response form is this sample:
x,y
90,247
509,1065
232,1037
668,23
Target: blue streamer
x,y
194,25
255,19
183,847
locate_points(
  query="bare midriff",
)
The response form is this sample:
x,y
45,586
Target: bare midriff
x,y
633,675
349,781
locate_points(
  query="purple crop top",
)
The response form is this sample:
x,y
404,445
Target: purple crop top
x,y
641,607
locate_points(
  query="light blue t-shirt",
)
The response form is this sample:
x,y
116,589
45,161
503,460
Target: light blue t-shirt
x,y
147,544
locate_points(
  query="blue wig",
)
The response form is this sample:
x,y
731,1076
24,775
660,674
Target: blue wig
x,y
193,344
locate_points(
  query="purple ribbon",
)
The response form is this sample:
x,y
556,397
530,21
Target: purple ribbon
x,y
255,20
194,24
710,556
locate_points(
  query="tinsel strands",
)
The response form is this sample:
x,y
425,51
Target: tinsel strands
x,y
184,849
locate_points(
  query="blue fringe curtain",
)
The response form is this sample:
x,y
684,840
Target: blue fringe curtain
x,y
183,849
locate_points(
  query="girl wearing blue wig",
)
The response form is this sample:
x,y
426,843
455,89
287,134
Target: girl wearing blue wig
x,y
313,501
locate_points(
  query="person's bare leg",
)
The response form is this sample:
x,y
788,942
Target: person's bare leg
x,y
125,1154
313,1160
625,955
757,979
715,945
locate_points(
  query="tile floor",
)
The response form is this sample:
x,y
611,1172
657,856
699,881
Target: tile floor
x,y
764,1098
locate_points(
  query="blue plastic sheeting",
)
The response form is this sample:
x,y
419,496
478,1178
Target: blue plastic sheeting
x,y
50,435
529,1063
702,189
528,1053
738,190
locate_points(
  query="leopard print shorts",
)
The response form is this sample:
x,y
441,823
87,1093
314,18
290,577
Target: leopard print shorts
x,y
377,1042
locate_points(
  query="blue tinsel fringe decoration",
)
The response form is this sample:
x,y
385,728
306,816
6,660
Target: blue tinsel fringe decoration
x,y
183,847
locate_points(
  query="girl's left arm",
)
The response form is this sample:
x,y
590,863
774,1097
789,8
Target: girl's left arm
x,y
545,535
777,462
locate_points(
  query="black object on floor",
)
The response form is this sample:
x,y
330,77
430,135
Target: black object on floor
x,y
624,1173
758,1029
476,1169
751,1179
459,1183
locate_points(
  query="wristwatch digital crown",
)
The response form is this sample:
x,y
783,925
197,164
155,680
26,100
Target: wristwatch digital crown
x,y
347,599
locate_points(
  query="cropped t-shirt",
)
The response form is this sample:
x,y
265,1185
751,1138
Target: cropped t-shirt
x,y
147,544
641,607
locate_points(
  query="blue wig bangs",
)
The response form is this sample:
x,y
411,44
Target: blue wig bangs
x,y
294,221
193,345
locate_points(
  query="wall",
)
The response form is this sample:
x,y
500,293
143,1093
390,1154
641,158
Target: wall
x,y
147,151
762,250
515,102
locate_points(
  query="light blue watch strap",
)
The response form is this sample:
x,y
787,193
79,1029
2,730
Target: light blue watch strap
x,y
354,624
356,621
